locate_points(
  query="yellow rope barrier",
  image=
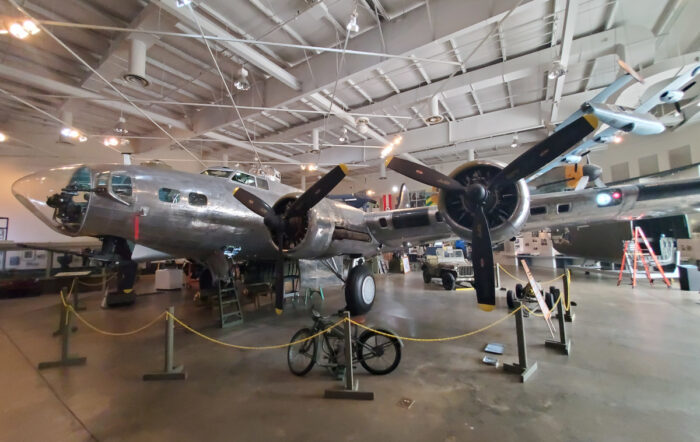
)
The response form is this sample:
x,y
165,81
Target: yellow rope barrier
x,y
449,338
92,284
70,310
525,282
245,347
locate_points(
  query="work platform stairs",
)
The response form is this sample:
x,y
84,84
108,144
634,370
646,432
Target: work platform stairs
x,y
638,254
228,304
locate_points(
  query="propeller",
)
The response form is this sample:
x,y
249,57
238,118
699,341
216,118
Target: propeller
x,y
627,68
480,198
283,224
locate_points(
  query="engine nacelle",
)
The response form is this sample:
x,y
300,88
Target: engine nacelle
x,y
331,228
506,209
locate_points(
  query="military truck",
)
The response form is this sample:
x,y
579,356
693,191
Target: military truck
x,y
447,264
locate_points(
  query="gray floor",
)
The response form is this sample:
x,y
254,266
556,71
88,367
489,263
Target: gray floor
x,y
633,373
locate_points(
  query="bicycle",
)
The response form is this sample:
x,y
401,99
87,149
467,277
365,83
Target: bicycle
x,y
377,353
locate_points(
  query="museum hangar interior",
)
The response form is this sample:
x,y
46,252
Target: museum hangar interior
x,y
349,219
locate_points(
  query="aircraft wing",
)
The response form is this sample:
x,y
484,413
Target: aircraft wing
x,y
675,85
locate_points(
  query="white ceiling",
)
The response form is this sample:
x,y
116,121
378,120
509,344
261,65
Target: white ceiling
x,y
487,61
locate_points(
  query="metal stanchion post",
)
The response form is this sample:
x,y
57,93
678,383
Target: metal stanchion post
x,y
170,372
569,316
498,275
66,360
521,368
77,306
350,388
62,317
563,344
104,279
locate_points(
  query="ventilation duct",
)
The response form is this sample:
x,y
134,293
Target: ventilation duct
x,y
137,61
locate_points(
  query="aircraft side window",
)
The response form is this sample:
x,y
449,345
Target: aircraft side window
x,y
262,184
563,208
169,195
197,199
121,185
102,180
243,178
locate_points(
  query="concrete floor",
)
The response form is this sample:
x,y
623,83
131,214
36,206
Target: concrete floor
x,y
632,375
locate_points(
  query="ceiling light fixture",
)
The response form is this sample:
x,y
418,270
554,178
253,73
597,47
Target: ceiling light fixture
x,y
3,137
556,70
352,25
362,125
120,129
241,82
387,150
514,144
397,140
82,138
111,141
344,137
21,30
617,139
395,189
181,3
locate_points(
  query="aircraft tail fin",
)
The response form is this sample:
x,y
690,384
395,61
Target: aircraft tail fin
x,y
403,198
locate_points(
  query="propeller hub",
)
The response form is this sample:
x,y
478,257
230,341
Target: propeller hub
x,y
476,194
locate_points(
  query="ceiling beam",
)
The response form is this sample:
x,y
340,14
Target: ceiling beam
x,y
564,54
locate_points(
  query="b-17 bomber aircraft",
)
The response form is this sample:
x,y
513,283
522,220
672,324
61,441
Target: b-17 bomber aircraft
x,y
203,216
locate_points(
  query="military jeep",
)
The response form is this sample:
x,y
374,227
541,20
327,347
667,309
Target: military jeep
x,y
447,264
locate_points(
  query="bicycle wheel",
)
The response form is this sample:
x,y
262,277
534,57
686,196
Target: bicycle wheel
x,y
378,354
301,357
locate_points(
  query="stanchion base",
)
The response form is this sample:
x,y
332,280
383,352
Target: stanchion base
x,y
68,362
59,332
354,394
176,374
564,347
524,373
569,317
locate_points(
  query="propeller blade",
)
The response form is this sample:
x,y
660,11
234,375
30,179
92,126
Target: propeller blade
x,y
252,202
627,68
423,174
279,284
546,151
582,183
318,191
599,183
482,260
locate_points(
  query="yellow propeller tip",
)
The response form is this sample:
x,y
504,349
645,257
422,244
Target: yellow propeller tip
x,y
278,311
344,168
236,190
388,160
592,120
486,307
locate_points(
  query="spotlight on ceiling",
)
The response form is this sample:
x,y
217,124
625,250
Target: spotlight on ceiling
x,y
352,25
344,137
82,138
181,3
395,189
362,124
387,150
21,30
557,70
617,139
514,144
3,137
241,82
111,141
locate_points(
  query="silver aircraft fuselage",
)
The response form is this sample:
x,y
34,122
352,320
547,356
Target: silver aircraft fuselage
x,y
196,216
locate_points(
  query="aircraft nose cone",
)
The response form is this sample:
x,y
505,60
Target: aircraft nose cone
x,y
43,193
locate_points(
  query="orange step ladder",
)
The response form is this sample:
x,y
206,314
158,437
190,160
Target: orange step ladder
x,y
634,253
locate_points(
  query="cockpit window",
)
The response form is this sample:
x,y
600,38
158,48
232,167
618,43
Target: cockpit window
x,y
243,178
197,199
80,181
169,195
217,173
121,185
262,184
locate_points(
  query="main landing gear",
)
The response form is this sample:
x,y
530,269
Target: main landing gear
x,y
360,288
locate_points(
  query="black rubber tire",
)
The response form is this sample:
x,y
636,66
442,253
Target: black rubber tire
x,y
519,290
449,282
363,352
510,299
206,280
311,345
549,300
356,304
427,277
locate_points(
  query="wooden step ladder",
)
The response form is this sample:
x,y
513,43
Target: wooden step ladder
x,y
230,312
633,253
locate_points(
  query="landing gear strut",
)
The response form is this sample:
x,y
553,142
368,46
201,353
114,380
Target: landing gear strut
x,y
126,273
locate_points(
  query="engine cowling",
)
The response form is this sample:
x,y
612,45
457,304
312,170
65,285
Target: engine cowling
x,y
329,229
506,208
